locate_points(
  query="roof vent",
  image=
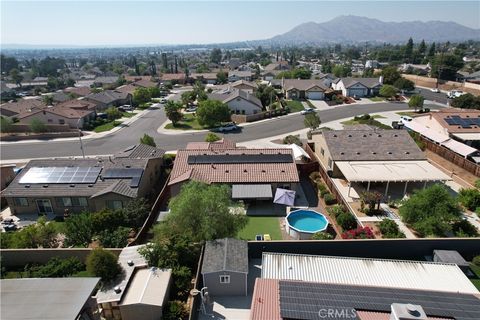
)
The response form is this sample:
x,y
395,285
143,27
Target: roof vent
x,y
406,152
244,170
227,171
263,171
283,171
379,135
357,153
364,135
373,152
45,186
128,166
349,135
27,186
342,153
334,135
130,263
395,135
90,185
117,289
72,186
389,152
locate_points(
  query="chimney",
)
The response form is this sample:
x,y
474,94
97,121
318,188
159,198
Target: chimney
x,y
401,311
380,79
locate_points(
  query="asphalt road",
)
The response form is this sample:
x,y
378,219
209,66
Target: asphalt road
x,y
151,120
433,96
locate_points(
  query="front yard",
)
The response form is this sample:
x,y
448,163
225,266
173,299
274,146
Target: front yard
x,y
261,225
367,119
189,122
106,126
295,105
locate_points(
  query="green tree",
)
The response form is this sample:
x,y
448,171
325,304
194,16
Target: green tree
x,y
390,74
409,50
467,101
47,99
70,82
141,95
416,102
212,112
347,221
388,91
113,113
102,263
469,198
7,64
135,213
216,55
79,230
446,66
148,140
404,84
341,70
154,92
322,236
266,94
5,124
431,211
203,212
117,238
188,97
422,48
37,126
172,110
16,77
432,50
222,77
312,120
212,137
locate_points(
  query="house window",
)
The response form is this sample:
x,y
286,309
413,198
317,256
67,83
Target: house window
x,y
72,202
21,202
79,202
61,121
114,204
224,279
49,120
66,201
322,151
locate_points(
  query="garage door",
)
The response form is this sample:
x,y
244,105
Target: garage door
x,y
359,92
315,95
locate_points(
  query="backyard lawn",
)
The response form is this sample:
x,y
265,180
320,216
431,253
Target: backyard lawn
x,y
295,106
261,225
106,126
189,122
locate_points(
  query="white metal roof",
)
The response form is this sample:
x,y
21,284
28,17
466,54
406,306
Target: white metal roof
x,y
426,132
149,286
368,272
458,147
468,136
395,171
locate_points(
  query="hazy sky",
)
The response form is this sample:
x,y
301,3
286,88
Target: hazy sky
x,y
180,22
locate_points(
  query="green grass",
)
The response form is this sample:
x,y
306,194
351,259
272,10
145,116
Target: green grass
x,y
59,226
106,126
295,106
407,113
376,99
261,225
189,122
82,274
476,270
371,122
127,114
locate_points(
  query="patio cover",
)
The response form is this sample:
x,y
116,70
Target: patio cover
x,y
251,191
426,132
458,147
468,136
284,196
298,152
394,171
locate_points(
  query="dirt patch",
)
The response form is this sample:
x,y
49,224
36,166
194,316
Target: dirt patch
x,y
459,175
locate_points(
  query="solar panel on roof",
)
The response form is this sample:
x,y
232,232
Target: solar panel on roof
x,y
303,300
54,175
135,174
239,158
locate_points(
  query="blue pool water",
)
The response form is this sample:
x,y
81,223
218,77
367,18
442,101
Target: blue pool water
x,y
307,221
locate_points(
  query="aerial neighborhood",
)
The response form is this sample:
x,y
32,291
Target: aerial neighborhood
x,y
306,176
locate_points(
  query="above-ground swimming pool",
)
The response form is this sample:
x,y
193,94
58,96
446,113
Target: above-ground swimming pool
x,y
302,224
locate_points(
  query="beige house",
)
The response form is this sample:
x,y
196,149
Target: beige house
x,y
54,187
239,101
304,89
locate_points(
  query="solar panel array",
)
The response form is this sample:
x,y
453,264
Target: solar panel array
x,y
465,123
52,175
303,300
135,174
239,158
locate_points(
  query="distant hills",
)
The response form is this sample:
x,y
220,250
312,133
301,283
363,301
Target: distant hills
x,y
354,29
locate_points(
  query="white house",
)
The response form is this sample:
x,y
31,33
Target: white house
x,y
239,101
359,87
304,89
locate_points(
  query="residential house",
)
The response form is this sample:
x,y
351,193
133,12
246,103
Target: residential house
x,y
420,69
234,63
174,78
225,267
48,298
473,77
243,85
109,98
239,75
105,81
140,292
59,115
454,129
145,83
227,164
382,159
358,87
127,88
371,64
270,75
207,78
360,288
12,109
239,101
61,96
55,186
304,89
78,91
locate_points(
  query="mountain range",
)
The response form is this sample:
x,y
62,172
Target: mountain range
x,y
355,29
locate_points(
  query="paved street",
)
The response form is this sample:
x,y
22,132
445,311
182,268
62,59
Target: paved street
x,y
152,119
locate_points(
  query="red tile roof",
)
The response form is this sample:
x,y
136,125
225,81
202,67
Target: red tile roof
x,y
374,315
80,91
233,172
173,76
220,144
265,300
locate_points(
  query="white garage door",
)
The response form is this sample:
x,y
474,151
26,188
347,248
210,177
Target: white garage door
x,y
359,92
315,95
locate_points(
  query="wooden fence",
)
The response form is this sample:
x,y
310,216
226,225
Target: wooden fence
x,y
451,156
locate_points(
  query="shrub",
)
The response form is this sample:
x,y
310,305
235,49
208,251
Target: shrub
x,y
358,233
469,198
290,139
103,264
37,126
476,261
168,159
5,124
464,228
314,176
212,137
57,268
329,198
117,238
336,210
322,235
175,310
148,140
346,221
390,229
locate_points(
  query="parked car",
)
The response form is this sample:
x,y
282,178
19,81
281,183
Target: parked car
x,y
163,100
191,109
455,94
10,227
355,97
102,115
7,221
436,90
307,111
404,119
126,107
228,127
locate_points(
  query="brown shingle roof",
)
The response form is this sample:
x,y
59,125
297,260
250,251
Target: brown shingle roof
x,y
303,84
80,91
233,172
371,145
145,83
21,106
173,76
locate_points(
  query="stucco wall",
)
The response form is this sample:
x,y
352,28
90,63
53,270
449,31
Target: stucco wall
x,y
236,287
243,106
